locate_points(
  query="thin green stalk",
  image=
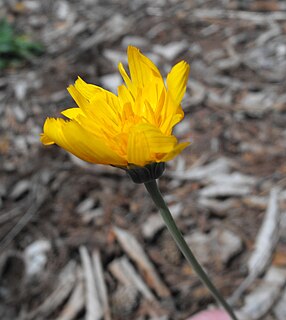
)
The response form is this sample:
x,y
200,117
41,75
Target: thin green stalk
x,y
156,195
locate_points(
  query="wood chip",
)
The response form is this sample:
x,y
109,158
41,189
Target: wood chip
x,y
257,104
279,309
267,237
21,187
219,245
221,208
265,244
36,256
100,284
123,270
227,185
74,304
198,93
221,165
218,190
154,222
171,50
274,31
232,179
111,30
67,279
93,307
133,248
260,300
259,18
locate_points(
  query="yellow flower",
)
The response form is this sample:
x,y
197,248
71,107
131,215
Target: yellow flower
x,y
132,128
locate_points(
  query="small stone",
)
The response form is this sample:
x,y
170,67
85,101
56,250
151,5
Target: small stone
x,y
169,249
111,82
19,113
219,244
93,215
20,89
257,103
62,10
115,57
214,55
172,50
86,205
20,189
198,93
219,100
32,5
228,64
134,41
182,128
36,256
211,29
21,144
195,49
124,301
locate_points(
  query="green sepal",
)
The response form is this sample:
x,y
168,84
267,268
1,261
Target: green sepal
x,y
147,173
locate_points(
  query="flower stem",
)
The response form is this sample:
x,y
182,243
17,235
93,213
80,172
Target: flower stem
x,y
156,196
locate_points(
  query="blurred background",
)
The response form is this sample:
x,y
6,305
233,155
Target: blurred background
x,y
83,242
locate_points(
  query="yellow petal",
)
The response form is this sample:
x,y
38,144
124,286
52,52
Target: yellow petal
x,y
176,151
124,95
145,141
138,152
142,70
101,106
172,111
80,100
158,143
131,87
152,102
46,140
92,92
72,113
170,122
95,103
177,81
72,137
96,109
101,127
86,89
52,131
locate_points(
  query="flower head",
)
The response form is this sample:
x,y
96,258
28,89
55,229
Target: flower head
x,y
133,128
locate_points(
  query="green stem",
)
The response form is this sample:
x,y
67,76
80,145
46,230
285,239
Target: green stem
x,y
156,195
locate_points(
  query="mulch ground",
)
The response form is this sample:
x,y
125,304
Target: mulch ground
x,y
66,226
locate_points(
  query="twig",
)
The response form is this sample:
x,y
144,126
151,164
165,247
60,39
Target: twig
x,y
100,284
93,307
259,18
265,243
123,270
63,289
136,253
74,304
39,194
